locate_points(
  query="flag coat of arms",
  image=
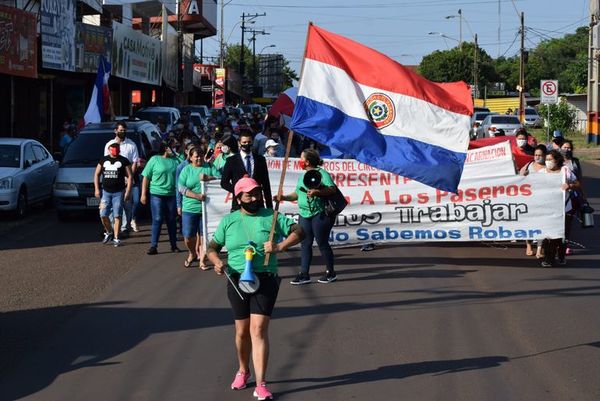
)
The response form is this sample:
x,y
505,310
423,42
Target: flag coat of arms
x,y
366,105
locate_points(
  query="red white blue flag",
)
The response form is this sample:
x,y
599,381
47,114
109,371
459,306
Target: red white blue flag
x,y
367,105
100,101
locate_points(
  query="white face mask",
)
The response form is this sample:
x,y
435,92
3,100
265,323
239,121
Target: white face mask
x,y
225,149
550,164
521,142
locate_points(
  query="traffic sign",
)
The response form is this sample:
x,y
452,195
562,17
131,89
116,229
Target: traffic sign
x,y
549,92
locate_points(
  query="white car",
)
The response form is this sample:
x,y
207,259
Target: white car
x,y
27,172
494,124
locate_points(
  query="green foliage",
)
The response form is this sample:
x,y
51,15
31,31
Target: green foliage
x,y
232,59
564,59
457,65
562,116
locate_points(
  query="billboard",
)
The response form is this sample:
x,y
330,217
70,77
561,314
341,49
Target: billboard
x,y
91,43
57,26
136,56
18,42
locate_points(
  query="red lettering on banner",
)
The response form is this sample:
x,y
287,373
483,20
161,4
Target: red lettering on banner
x,y
388,201
472,194
274,164
367,198
423,198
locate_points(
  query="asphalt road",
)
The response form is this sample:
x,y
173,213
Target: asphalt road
x,y
417,322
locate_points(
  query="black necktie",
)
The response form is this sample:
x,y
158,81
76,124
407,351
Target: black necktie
x,y
248,166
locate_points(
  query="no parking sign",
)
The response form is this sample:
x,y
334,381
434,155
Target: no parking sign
x,y
549,92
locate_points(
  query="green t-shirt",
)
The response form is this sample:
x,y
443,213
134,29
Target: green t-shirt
x,y
160,171
309,207
219,163
190,178
235,231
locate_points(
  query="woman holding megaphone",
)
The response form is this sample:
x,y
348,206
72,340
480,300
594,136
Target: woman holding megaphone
x,y
312,186
252,287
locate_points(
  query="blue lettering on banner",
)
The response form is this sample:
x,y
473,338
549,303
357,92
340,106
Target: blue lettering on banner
x,y
364,234
478,233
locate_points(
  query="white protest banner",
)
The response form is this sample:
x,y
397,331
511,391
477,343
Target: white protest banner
x,y
489,161
136,56
384,207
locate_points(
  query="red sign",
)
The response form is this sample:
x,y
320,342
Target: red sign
x,y
18,42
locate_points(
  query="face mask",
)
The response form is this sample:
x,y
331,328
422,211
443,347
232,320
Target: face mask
x,y
302,164
121,135
251,207
566,153
550,164
225,149
114,152
521,142
246,148
539,160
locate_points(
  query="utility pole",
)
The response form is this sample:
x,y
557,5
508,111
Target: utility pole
x,y
460,28
250,17
222,41
593,76
475,72
254,33
522,72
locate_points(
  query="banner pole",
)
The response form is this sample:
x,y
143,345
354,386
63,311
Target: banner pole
x,y
288,148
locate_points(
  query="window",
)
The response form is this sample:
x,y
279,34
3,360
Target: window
x,y
29,157
40,153
10,156
146,143
505,120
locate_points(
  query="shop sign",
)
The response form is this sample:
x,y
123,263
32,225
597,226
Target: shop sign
x,y
136,56
57,26
91,42
18,42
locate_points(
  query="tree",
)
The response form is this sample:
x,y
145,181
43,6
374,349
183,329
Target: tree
x,y
289,76
562,116
564,59
232,59
457,65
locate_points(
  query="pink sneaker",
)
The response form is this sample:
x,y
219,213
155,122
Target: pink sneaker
x,y
568,252
240,380
262,393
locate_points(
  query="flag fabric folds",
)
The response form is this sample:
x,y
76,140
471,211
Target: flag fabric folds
x,y
100,100
367,105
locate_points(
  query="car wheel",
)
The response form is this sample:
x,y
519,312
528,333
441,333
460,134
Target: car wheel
x,y
21,210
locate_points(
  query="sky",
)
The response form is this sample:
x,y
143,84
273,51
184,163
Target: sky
x,y
400,28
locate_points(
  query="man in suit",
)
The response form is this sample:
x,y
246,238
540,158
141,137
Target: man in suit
x,y
246,163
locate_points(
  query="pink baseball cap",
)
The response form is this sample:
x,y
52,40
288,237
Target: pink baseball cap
x,y
245,184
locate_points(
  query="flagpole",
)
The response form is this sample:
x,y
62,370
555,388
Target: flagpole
x,y
288,148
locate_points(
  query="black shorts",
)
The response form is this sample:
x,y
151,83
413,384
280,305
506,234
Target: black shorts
x,y
261,302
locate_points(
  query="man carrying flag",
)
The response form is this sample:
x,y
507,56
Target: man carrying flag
x,y
367,105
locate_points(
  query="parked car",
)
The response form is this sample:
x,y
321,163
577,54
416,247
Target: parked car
x,y
203,110
532,118
199,122
169,115
492,124
74,186
27,172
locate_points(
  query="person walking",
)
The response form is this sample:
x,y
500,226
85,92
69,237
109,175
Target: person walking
x,y
190,187
557,247
246,163
129,150
247,229
159,180
113,169
315,223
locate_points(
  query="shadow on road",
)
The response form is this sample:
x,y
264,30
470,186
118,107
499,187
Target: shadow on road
x,y
96,334
400,371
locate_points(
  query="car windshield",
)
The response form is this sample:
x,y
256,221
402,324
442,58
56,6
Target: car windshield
x,y
505,120
87,149
531,112
10,156
481,116
153,116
